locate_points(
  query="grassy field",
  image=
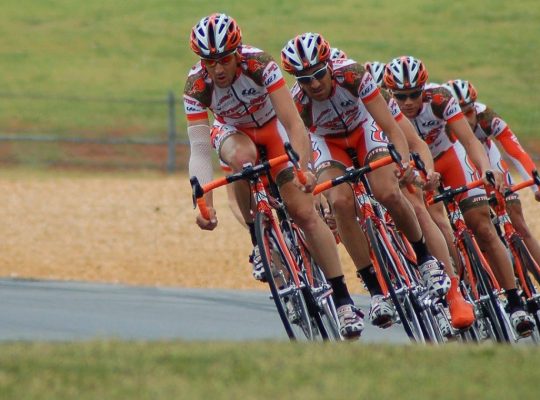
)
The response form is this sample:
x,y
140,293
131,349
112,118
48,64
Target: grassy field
x,y
165,370
67,49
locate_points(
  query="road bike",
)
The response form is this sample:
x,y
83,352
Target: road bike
x,y
298,287
525,267
390,253
477,280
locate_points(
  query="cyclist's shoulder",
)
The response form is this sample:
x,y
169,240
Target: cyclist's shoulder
x,y
197,85
347,72
259,65
443,104
488,119
253,58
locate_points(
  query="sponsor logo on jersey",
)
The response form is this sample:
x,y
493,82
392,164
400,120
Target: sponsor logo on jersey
x,y
249,92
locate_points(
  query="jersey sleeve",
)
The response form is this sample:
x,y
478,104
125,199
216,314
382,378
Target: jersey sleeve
x,y
355,78
196,96
262,68
392,105
444,105
521,160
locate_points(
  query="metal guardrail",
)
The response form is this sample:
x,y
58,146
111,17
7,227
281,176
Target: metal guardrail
x,y
171,142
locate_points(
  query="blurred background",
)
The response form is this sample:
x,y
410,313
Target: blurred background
x,y
98,85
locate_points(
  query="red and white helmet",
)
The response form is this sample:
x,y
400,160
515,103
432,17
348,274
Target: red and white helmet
x,y
405,72
376,69
463,91
215,35
304,51
337,54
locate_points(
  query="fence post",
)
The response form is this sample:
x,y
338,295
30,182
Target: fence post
x,y
171,153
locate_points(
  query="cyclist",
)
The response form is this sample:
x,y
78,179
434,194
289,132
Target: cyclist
x,y
430,109
244,89
487,124
461,312
433,220
343,108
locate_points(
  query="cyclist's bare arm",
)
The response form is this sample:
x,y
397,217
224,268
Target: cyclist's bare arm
x,y
417,145
288,115
475,150
378,109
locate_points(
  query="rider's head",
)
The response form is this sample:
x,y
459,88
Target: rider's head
x,y
465,93
307,57
215,40
376,69
405,77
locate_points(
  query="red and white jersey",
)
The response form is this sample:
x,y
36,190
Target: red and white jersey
x,y
491,125
439,107
344,110
246,103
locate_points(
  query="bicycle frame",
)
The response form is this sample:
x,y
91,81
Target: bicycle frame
x,y
285,232
509,234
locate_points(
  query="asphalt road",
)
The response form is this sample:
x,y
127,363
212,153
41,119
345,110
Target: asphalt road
x,y
71,311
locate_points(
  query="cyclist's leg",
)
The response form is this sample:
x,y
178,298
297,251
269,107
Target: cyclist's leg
x,y
385,187
319,237
462,314
331,163
515,212
235,149
476,214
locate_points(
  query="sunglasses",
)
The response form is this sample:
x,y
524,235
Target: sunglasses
x,y
212,62
403,96
318,75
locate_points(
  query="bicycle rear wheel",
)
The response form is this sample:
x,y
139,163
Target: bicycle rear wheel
x,y
529,267
489,303
287,295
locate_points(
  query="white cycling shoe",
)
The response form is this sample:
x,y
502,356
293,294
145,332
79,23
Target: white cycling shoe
x,y
382,313
351,321
522,322
434,277
258,269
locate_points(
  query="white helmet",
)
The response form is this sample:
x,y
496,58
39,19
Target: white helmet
x,y
463,91
405,72
337,54
304,51
376,69
215,35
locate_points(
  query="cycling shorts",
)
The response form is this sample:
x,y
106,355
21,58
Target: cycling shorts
x,y
369,143
457,169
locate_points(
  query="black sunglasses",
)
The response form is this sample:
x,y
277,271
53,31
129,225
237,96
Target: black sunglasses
x,y
319,74
404,96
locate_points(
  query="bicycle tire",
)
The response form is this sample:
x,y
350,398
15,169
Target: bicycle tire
x,y
384,262
278,272
317,291
491,308
528,264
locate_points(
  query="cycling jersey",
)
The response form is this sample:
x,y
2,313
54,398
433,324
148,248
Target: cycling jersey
x,y
342,112
342,121
438,108
246,102
491,125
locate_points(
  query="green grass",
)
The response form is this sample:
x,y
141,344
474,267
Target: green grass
x,y
265,370
138,49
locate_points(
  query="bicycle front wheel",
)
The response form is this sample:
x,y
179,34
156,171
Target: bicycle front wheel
x,y
280,275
